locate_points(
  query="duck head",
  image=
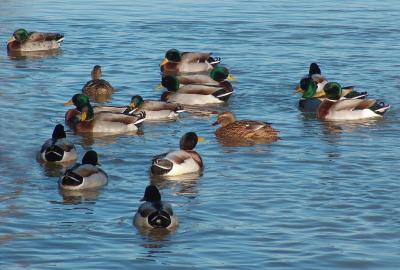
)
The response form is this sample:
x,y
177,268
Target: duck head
x,y
188,141
20,35
314,69
170,82
90,157
224,119
83,105
96,72
308,87
220,74
58,132
333,90
136,102
151,194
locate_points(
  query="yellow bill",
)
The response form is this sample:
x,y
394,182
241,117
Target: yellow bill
x,y
69,103
231,78
11,39
163,62
158,87
200,139
83,116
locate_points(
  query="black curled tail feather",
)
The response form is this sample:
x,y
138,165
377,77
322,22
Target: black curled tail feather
x,y
159,219
71,179
54,153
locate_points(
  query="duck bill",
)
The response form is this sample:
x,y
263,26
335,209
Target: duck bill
x,y
11,40
215,123
158,87
298,90
69,103
83,116
319,94
163,62
201,139
231,78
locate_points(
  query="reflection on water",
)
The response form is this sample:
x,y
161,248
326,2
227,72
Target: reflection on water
x,y
185,185
34,55
55,169
79,196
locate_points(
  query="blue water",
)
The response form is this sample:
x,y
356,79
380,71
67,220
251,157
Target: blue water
x,y
325,196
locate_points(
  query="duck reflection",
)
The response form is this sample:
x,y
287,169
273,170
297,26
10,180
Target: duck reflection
x,y
55,169
33,55
79,196
185,185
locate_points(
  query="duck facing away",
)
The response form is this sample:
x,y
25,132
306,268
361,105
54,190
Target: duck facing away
x,y
58,149
82,119
97,87
86,175
153,212
179,162
176,62
24,41
336,108
233,129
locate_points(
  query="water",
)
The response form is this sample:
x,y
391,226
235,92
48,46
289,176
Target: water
x,y
325,196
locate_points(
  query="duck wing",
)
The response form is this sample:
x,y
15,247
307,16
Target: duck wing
x,y
153,105
352,104
194,57
40,37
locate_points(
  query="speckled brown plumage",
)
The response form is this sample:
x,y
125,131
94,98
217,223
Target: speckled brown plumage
x,y
97,87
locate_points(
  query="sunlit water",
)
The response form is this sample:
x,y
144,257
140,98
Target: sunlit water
x,y
325,196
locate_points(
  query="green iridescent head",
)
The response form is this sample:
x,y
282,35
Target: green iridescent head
x,y
333,90
170,82
21,35
136,101
173,55
309,87
219,74
80,100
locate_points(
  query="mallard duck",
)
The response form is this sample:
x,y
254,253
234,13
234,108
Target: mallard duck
x,y
24,41
179,162
97,87
335,108
84,120
154,213
311,99
84,176
244,129
215,77
176,62
195,94
58,148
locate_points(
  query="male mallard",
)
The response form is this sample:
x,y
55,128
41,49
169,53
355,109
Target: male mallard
x,y
58,148
179,162
215,77
97,87
195,94
244,129
176,62
314,75
24,41
335,108
84,176
154,213
83,119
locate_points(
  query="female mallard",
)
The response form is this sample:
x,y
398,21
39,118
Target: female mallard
x,y
24,41
195,94
179,162
215,77
58,149
244,129
335,108
314,74
97,87
154,213
176,62
84,176
84,120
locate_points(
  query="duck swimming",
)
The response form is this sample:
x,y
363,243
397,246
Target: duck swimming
x,y
336,108
176,62
195,94
58,149
84,120
179,162
154,213
233,129
24,41
97,87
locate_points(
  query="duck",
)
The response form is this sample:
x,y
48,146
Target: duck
x,y
314,74
179,162
85,175
24,41
153,212
58,149
217,75
233,129
336,108
82,119
97,87
176,62
195,94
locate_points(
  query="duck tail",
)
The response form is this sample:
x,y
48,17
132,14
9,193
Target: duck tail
x,y
141,116
159,219
179,109
161,166
355,95
380,107
54,153
71,179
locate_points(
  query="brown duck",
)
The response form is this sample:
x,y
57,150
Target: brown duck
x,y
98,88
